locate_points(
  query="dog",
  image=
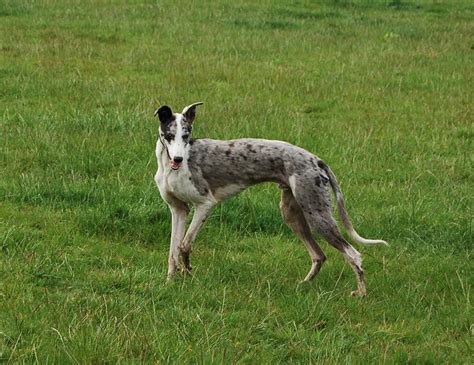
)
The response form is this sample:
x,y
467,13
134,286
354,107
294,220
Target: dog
x,y
204,172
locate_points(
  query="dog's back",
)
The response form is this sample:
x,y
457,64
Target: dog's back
x,y
247,161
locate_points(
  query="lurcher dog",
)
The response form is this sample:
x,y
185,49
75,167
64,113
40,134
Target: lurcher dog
x,y
204,172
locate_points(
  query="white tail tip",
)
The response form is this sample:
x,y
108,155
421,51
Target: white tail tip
x,y
355,236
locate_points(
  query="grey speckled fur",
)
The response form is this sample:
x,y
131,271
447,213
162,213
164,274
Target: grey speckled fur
x,y
206,171
216,163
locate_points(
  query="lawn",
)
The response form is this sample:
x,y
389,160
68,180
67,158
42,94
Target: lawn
x,y
381,90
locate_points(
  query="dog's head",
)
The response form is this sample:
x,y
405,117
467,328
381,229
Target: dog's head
x,y
175,131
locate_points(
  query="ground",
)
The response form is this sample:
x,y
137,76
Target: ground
x,y
381,90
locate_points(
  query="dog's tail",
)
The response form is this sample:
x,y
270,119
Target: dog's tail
x,y
346,221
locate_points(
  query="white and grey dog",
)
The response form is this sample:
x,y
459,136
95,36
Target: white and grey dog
x,y
204,172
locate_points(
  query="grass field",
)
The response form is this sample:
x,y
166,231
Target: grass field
x,y
381,90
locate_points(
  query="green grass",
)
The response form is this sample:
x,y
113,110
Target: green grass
x,y
381,90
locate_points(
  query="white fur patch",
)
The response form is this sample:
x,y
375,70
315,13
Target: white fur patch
x,y
177,146
180,185
353,255
292,182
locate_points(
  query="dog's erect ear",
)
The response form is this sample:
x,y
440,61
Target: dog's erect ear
x,y
190,111
164,114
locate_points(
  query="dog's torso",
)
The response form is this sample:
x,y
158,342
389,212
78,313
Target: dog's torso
x,y
216,169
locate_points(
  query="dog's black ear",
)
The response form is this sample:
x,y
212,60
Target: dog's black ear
x,y
190,111
164,114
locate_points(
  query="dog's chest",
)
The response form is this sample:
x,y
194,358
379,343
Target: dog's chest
x,y
179,183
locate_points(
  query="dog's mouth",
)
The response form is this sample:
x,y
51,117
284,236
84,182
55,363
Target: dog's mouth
x,y
175,165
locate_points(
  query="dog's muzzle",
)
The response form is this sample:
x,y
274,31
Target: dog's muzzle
x,y
176,163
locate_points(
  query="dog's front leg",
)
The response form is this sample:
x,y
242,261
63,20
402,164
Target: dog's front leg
x,y
179,216
200,215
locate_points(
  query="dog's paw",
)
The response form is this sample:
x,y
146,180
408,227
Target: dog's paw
x,y
185,269
170,278
359,293
303,282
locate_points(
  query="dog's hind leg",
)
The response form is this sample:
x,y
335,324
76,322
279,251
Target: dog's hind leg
x,y
294,218
353,257
327,227
200,215
315,203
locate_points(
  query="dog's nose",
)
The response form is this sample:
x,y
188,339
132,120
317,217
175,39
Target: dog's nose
x,y
178,159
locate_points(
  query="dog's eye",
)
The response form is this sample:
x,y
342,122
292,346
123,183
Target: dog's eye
x,y
169,137
185,136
